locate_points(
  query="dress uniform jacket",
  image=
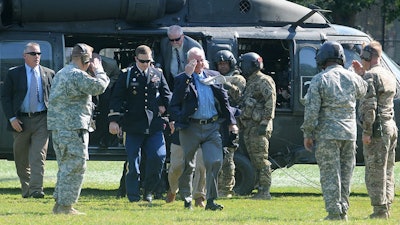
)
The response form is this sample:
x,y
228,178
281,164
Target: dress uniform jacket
x,y
135,101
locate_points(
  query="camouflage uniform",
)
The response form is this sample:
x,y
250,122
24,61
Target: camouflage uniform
x,y
255,123
68,117
330,119
226,178
380,154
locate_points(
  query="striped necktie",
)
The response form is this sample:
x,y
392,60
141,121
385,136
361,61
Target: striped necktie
x,y
178,59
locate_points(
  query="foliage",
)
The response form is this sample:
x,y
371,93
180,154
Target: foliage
x,y
392,9
344,11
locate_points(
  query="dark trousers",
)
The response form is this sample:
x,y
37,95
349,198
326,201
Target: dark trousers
x,y
153,146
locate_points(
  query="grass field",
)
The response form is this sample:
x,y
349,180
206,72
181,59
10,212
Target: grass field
x,y
296,199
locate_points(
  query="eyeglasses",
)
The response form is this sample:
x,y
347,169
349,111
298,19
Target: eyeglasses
x,y
144,60
176,39
33,53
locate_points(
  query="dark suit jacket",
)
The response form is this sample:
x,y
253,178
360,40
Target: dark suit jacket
x,y
15,88
166,53
134,105
184,100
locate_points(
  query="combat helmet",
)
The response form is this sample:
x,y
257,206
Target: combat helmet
x,y
225,55
250,63
330,51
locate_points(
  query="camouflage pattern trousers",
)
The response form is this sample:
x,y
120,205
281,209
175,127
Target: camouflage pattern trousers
x,y
71,148
336,162
257,147
226,176
379,157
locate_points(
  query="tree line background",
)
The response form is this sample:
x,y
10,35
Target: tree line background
x,y
378,18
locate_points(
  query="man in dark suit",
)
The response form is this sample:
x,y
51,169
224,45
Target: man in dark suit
x,y
25,99
197,117
144,94
173,52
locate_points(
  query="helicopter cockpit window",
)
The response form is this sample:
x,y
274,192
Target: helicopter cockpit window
x,y
351,52
11,55
308,68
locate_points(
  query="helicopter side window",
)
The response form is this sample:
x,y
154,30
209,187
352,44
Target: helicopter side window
x,y
351,52
11,55
307,69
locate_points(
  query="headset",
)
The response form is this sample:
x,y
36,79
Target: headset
x,y
85,56
367,53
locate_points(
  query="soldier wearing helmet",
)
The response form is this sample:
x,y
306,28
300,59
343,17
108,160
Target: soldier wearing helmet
x,y
330,125
255,122
225,63
330,52
379,129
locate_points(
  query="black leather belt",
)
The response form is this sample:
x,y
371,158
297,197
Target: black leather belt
x,y
204,121
33,114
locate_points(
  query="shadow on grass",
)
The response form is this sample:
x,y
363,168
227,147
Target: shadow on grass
x,y
300,194
49,191
113,193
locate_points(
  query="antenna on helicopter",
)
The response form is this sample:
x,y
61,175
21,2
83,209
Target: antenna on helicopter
x,y
314,9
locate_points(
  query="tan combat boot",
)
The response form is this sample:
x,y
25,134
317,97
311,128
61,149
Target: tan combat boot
x,y
333,216
61,209
380,212
199,202
263,193
55,208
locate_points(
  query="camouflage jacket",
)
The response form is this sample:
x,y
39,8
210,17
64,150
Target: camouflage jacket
x,y
235,87
330,104
70,101
379,97
259,100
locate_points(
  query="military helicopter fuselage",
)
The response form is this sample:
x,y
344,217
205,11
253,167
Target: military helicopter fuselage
x,y
285,34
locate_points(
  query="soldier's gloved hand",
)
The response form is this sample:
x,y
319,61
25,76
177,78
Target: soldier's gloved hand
x,y
262,130
233,139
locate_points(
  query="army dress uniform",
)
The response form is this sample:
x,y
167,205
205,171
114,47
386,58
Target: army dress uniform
x,y
256,125
69,115
380,154
330,119
140,96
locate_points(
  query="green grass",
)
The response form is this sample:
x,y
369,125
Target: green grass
x,y
296,199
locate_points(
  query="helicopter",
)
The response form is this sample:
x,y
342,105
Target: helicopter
x,y
286,35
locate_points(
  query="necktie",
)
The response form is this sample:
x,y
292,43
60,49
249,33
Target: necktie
x,y
34,92
178,59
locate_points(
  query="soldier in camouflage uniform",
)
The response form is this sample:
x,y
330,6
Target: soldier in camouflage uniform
x,y
225,63
379,129
256,119
69,119
330,124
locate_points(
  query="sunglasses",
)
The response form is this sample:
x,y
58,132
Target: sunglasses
x,y
144,60
175,40
33,53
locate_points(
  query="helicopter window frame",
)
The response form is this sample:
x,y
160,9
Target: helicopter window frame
x,y
306,54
